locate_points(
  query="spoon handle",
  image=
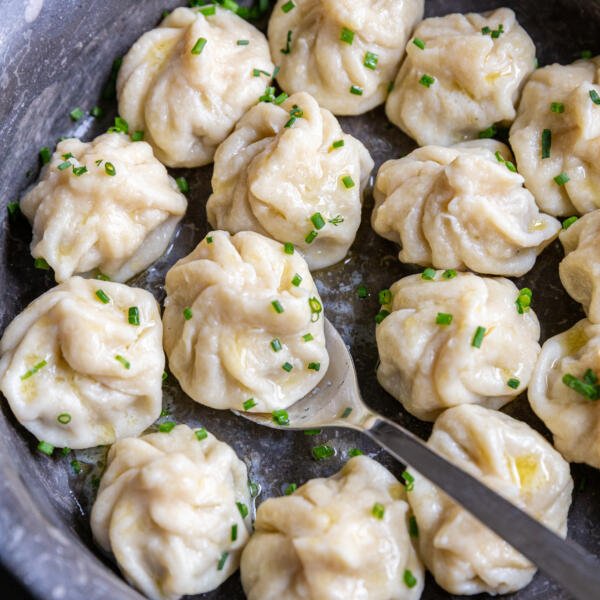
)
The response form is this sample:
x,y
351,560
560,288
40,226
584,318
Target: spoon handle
x,y
566,562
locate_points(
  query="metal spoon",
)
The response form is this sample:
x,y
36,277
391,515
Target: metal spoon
x,y
337,402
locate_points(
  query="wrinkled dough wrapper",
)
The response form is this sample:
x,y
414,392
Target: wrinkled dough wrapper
x,y
187,103
318,61
430,367
228,350
573,419
461,208
166,507
580,268
324,543
272,179
58,357
119,224
464,556
477,78
575,137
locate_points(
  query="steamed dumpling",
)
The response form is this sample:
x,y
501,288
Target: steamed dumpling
x,y
341,538
243,323
461,207
448,339
564,392
565,101
76,367
107,204
464,76
580,268
507,455
343,53
172,508
276,171
187,82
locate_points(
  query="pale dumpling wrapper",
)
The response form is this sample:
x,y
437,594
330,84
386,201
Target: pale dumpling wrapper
x,y
580,268
187,103
118,224
507,455
255,326
477,78
559,98
324,541
272,178
461,208
76,373
573,418
327,47
429,367
166,508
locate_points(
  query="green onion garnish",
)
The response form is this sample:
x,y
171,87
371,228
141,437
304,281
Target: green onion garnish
x,y
586,54
486,30
250,403
123,361
513,383
120,126
76,466
557,107
317,220
428,274
109,168
595,97
409,579
384,297
568,222
322,452
288,248
413,528
78,171
133,315
102,296
209,239
346,412
316,308
13,208
64,165
347,35
201,434
165,376
296,280
45,155
356,90
243,42
419,43
234,528
562,178
199,45
243,509
449,274
286,366
290,489
427,80
222,561
546,143
314,366
496,34
336,144
64,418
277,306
40,263
281,417
409,481
308,337
586,386
478,337
97,112
443,319
288,6
167,426
362,291
182,184
259,72
33,370
523,300
348,182
208,11
45,448
355,452
312,431
310,238
490,132
76,114
280,99
288,45
276,344
378,510
137,136
381,315
370,60
187,313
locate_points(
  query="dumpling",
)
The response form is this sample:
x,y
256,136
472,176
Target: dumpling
x,y
341,538
243,323
580,268
288,171
82,365
464,556
447,338
107,204
556,137
343,53
187,82
173,509
462,74
564,391
462,207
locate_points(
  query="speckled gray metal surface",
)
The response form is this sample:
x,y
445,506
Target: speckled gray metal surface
x,y
56,55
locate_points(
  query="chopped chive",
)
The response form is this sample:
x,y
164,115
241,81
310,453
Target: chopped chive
x,y
595,97
568,222
409,481
40,263
322,452
443,319
254,489
33,370
378,510
336,144
243,42
290,122
557,107
97,112
281,417
288,6
347,35
312,431
164,412
120,126
277,306
234,529
523,300
67,156
208,11
356,90
182,184
317,220
209,239
102,296
167,426
78,171
587,386
546,143
187,313
390,86
586,54
419,43
133,315
288,45
296,280
243,509
65,451
199,45
336,220
269,95
276,345
513,383
45,448
562,178
478,337
362,291
98,162
496,34
290,489
316,308
348,182
355,452
409,579
310,238
413,528
381,315
45,155
165,376
427,80
137,136
76,114
13,208
486,30
449,274
76,466
222,561
308,337
64,165
347,412
384,297
123,361
288,248
64,418
259,72
370,60
201,434
314,366
250,403
280,99
109,168
509,165
490,132
276,71
286,366
428,274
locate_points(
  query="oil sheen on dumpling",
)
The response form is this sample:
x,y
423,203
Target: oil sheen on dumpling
x,y
243,324
187,82
464,556
117,215
345,53
580,268
455,339
76,370
169,508
341,538
564,392
462,207
465,75
277,171
562,171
